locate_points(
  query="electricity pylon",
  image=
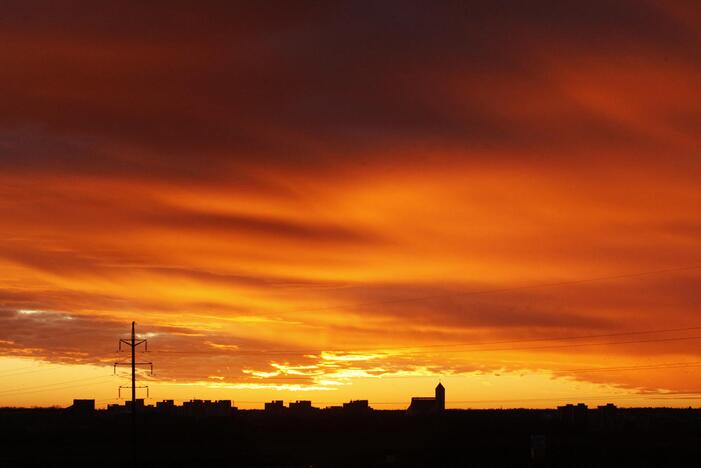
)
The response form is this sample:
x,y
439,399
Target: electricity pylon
x,y
133,343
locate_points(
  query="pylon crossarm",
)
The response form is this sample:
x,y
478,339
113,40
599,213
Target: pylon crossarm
x,y
136,364
119,390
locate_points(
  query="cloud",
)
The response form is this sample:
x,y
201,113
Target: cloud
x,y
261,226
243,85
266,185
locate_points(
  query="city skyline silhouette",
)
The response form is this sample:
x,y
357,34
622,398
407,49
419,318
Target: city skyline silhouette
x,y
430,222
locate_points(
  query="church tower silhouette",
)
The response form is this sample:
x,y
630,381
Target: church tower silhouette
x,y
440,397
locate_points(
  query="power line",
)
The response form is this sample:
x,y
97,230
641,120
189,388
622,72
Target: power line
x,y
43,387
672,365
481,292
618,368
512,288
477,292
669,365
27,370
35,370
475,345
561,338
571,345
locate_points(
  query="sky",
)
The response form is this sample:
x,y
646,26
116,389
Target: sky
x,y
352,200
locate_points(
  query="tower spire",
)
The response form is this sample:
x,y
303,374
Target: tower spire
x,y
440,396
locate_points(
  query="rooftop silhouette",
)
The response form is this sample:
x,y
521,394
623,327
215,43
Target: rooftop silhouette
x,y
425,405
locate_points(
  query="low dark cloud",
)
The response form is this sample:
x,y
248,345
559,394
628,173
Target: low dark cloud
x,y
259,225
185,91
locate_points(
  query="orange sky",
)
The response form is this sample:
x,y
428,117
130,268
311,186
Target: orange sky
x,y
314,201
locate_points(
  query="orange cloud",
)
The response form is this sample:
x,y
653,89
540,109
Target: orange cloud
x,y
317,199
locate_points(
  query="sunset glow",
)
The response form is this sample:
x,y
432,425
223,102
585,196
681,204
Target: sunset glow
x,y
324,202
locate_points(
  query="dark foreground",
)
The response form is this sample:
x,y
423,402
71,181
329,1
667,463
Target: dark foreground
x,y
513,438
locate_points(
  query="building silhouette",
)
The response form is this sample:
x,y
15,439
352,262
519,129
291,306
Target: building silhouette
x,y
169,434
428,405
275,406
573,415
82,407
301,406
440,397
356,406
138,404
607,416
208,407
166,405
